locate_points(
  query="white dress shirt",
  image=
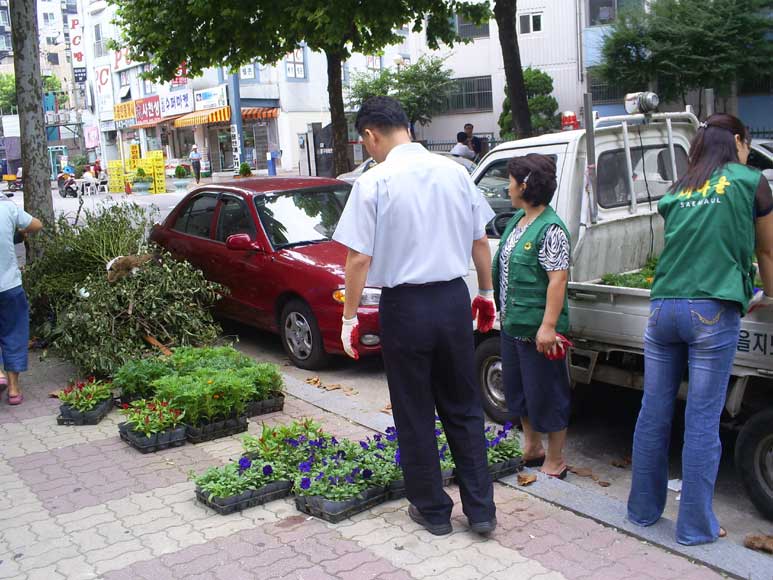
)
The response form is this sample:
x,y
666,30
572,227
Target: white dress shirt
x,y
416,214
461,150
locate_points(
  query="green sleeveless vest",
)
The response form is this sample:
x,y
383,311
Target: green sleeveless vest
x,y
527,282
710,239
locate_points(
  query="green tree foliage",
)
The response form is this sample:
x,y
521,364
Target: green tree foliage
x,y
421,88
8,90
689,44
542,105
233,32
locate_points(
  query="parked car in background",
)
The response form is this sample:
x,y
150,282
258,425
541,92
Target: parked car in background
x,y
268,240
761,157
352,176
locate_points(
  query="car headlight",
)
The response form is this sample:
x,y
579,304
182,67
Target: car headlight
x,y
370,296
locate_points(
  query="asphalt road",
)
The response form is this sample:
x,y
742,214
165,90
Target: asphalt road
x,y
600,433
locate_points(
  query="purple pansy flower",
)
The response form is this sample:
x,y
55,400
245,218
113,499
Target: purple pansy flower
x,y
364,445
305,483
244,464
349,479
292,442
397,457
367,474
320,476
267,470
304,467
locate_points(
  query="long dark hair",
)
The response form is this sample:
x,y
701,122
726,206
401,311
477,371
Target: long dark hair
x,y
713,147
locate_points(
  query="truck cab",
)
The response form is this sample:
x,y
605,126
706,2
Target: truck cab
x,y
609,180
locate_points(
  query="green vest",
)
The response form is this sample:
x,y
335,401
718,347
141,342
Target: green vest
x,y
527,282
710,239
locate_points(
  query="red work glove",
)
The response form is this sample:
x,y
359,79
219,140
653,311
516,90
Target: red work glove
x,y
350,336
760,300
483,310
558,352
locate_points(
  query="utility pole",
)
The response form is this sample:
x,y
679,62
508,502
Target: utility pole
x,y
29,98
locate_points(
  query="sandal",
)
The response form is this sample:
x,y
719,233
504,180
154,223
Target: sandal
x,y
722,532
15,399
534,461
561,475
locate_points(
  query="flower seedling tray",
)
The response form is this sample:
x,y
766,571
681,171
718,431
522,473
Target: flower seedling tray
x,y
396,489
505,468
273,404
248,499
70,416
156,441
216,429
336,511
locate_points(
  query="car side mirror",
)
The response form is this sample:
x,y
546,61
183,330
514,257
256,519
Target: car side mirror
x,y
242,242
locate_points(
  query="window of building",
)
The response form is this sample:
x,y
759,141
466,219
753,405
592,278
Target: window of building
x,y
654,162
373,62
601,12
100,44
49,19
530,23
472,94
467,29
5,42
51,40
4,18
123,78
148,86
345,73
295,64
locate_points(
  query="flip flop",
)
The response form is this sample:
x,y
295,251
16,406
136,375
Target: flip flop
x,y
534,461
722,532
561,475
15,399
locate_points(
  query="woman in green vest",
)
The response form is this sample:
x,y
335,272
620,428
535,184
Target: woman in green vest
x,y
531,270
716,215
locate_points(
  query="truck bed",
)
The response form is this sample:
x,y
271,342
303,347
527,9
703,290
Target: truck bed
x,y
614,318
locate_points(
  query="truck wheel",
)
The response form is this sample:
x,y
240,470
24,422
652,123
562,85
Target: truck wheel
x,y
489,365
301,337
754,460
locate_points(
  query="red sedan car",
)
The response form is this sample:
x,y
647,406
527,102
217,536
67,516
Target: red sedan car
x,y
269,241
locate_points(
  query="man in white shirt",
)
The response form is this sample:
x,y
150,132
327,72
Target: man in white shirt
x,y
461,149
411,224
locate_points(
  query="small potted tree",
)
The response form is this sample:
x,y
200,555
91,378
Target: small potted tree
x,y
244,170
181,178
141,182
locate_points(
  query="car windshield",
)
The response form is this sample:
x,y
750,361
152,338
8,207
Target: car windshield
x,y
301,217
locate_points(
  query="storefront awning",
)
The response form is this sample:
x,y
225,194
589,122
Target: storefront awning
x,y
257,113
157,122
221,115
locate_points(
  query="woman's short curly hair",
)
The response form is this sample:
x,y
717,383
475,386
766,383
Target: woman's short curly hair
x,y
539,174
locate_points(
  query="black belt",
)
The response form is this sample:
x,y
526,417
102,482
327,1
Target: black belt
x,y
425,284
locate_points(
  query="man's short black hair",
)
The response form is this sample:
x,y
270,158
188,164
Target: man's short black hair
x,y
461,137
469,125
383,113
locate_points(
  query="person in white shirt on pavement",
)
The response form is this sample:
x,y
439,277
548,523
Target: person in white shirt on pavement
x,y
461,149
411,224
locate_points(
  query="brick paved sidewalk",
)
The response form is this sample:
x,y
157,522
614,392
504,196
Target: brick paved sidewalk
x,y
77,503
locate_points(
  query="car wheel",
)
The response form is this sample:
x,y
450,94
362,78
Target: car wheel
x,y
754,460
488,361
301,337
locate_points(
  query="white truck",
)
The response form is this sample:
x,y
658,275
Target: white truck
x,y
610,208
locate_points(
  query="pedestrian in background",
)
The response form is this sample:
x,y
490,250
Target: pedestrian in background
x,y
714,215
411,224
531,273
473,142
461,149
14,310
195,159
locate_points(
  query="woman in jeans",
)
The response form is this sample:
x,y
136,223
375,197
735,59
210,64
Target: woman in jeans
x,y
531,270
715,215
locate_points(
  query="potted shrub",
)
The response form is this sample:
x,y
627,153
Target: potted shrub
x,y
181,178
244,170
241,484
141,182
382,456
85,402
503,449
152,425
268,386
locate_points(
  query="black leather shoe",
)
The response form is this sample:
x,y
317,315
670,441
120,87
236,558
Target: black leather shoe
x,y
484,528
434,529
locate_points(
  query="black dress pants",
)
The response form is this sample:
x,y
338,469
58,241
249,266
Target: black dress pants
x,y
428,349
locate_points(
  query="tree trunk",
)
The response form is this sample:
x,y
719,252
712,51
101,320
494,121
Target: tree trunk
x,y
337,114
29,98
504,12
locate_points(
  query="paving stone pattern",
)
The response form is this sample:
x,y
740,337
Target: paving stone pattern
x,y
77,503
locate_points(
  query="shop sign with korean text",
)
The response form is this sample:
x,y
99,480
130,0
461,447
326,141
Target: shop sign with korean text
x,y
212,98
147,110
123,111
176,102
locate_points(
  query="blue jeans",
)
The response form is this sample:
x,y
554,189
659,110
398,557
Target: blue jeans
x,y
14,330
702,336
